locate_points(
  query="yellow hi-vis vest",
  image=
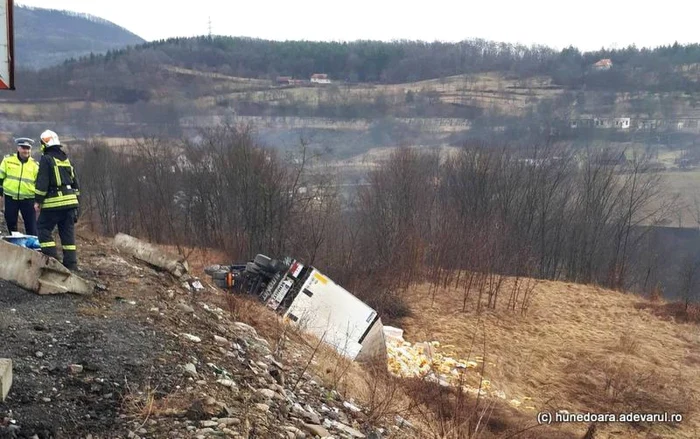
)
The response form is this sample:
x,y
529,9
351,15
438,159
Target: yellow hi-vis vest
x,y
18,178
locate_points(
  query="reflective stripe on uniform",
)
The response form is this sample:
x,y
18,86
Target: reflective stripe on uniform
x,y
23,180
60,201
56,173
47,244
70,247
61,195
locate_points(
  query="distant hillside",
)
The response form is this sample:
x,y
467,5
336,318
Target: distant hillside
x,y
47,37
471,90
139,73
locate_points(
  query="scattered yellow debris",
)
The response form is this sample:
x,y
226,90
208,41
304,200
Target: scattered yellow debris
x,y
422,360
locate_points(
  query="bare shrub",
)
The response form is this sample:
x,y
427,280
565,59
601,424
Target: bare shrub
x,y
383,394
629,344
470,220
620,384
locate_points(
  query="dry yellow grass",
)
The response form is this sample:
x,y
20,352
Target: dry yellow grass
x,y
213,75
382,396
579,348
43,108
490,90
486,90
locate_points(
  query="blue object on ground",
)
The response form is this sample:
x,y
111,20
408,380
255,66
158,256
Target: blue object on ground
x,y
27,241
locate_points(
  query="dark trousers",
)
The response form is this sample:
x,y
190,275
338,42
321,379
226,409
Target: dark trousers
x,y
12,210
65,220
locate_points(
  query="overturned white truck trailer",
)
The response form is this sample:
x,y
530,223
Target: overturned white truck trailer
x,y
313,302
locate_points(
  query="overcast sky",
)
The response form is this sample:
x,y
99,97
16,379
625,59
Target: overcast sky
x,y
588,25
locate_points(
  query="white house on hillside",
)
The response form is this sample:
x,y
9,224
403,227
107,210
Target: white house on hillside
x,y
320,78
619,123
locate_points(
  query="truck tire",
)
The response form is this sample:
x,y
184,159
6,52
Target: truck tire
x,y
265,263
252,268
278,265
262,260
220,274
211,269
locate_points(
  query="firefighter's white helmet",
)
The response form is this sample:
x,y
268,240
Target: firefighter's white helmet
x,y
49,138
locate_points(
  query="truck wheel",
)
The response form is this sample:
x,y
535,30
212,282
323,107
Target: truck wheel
x,y
220,274
278,265
252,268
262,260
211,269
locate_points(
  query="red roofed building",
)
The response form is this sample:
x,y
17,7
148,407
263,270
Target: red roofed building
x,y
603,64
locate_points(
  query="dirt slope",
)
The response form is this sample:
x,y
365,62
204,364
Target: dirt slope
x,y
580,349
45,335
148,357
156,359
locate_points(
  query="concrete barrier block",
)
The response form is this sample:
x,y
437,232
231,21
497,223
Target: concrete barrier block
x,y
151,254
37,272
5,377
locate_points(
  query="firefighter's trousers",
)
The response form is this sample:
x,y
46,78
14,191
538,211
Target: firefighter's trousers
x,y
65,220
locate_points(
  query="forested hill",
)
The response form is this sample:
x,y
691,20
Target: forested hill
x,y
408,61
139,70
46,37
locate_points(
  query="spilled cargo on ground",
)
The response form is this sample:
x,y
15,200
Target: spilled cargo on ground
x,y
310,300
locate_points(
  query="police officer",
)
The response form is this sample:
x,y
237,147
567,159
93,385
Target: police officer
x,y
57,201
17,175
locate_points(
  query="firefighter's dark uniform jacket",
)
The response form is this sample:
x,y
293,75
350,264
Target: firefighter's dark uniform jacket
x,y
56,184
57,192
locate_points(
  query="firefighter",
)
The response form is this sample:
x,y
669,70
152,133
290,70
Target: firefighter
x,y
57,200
17,176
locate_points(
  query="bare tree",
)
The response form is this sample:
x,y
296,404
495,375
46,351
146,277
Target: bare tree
x,y
486,220
689,275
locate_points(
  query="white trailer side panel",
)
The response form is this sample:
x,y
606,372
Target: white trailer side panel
x,y
333,314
